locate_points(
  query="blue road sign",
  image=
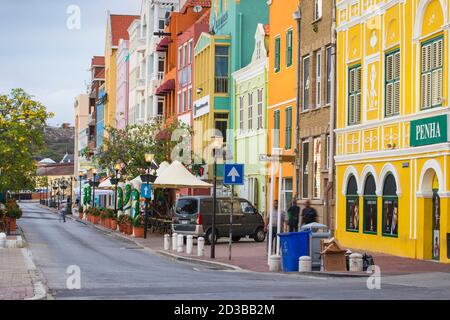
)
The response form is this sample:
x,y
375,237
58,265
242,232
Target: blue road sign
x,y
233,174
146,191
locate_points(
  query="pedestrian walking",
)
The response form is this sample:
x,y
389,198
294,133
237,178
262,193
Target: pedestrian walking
x,y
309,214
293,216
274,225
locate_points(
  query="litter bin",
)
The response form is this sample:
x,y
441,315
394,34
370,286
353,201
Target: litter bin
x,y
318,232
293,246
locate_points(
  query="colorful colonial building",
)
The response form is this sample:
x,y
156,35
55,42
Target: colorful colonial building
x,y
250,108
392,127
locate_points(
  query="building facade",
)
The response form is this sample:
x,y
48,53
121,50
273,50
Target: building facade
x,y
317,92
392,132
97,80
81,110
250,104
122,86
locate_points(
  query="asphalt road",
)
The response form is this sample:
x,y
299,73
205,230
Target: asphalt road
x,y
113,268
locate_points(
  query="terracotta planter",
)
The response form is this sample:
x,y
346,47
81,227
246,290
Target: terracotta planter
x,y
121,227
129,229
113,224
12,223
138,232
96,220
81,215
108,223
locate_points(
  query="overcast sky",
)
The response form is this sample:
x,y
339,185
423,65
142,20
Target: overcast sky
x,y
40,54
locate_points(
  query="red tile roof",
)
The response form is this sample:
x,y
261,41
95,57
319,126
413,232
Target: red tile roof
x,y
119,27
57,169
98,61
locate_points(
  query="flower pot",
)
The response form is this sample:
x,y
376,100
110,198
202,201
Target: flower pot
x,y
129,229
81,215
108,223
96,220
113,224
138,232
12,223
121,227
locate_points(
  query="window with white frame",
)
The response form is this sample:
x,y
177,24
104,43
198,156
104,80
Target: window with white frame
x,y
179,102
185,54
431,82
329,66
306,83
189,60
190,98
287,193
241,114
392,84
185,98
354,95
180,57
317,169
260,109
250,111
317,9
328,153
318,78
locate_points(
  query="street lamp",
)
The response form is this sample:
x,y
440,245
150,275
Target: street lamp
x,y
216,142
54,187
115,182
80,176
95,183
148,178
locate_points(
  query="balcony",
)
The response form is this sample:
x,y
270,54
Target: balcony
x,y
221,85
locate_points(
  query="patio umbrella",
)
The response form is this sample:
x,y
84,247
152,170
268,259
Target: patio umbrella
x,y
176,176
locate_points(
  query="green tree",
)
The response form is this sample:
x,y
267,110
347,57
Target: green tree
x,y
22,123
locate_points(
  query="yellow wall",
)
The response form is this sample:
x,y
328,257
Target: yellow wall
x,y
378,141
110,83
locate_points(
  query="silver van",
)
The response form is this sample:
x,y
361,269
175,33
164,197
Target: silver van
x,y
193,216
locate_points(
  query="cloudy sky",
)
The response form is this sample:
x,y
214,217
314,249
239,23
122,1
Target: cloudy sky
x,y
40,54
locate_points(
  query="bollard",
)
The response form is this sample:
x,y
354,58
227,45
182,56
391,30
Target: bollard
x,y
189,244
166,242
2,240
174,241
19,242
304,264
356,262
274,263
200,247
180,243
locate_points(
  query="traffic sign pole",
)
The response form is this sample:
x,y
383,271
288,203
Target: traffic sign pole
x,y
231,222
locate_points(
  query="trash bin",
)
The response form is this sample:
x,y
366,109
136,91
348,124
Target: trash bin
x,y
293,246
318,232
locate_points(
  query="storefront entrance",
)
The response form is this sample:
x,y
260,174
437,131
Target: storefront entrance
x,y
436,218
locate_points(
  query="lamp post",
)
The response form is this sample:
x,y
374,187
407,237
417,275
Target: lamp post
x,y
80,176
148,178
54,187
115,182
94,183
63,186
217,143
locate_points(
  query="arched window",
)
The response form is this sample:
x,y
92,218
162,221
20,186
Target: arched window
x,y
352,205
370,206
390,207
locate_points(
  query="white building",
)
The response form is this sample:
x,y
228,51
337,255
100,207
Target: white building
x,y
146,64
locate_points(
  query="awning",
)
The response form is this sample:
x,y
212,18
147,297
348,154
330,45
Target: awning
x,y
162,167
163,45
105,184
176,176
166,87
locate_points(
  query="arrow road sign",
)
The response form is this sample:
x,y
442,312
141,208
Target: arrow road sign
x,y
146,191
233,174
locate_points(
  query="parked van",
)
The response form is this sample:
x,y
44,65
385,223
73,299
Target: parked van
x,y
193,216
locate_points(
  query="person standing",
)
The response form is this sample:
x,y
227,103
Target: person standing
x,y
309,214
293,216
274,224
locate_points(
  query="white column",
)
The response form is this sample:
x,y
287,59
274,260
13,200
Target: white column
x,y
280,203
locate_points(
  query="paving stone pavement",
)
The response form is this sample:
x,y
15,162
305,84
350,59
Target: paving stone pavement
x,y
15,280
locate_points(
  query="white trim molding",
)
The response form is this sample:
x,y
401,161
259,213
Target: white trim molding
x,y
350,171
368,169
388,169
421,8
426,181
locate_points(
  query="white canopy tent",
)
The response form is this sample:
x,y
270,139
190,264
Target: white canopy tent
x,y
176,176
106,184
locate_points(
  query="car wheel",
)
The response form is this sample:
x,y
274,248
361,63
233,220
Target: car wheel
x,y
208,238
260,235
236,239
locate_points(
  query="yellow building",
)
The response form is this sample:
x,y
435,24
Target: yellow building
x,y
392,132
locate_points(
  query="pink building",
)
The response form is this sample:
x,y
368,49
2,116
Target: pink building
x,y
122,85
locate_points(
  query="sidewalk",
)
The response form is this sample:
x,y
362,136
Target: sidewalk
x,y
15,279
251,256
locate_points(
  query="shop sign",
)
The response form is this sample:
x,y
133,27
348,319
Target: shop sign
x,y
428,131
201,107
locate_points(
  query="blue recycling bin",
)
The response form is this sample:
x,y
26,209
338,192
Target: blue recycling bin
x,y
293,246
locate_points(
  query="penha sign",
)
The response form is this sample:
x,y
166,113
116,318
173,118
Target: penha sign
x,y
428,131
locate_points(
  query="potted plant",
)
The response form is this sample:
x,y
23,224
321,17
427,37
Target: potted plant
x,y
128,225
13,212
121,222
138,226
112,220
96,215
80,212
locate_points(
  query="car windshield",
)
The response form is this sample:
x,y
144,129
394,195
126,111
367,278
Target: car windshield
x,y
187,206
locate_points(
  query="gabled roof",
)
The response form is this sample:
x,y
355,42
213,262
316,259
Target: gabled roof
x,y
119,27
193,3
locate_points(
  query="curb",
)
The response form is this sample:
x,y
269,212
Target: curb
x,y
40,292
200,261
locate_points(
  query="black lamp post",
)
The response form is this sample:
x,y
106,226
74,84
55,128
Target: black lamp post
x,y
95,183
80,176
54,187
115,182
148,178
217,143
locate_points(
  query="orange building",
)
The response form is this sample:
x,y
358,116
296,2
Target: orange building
x,y
282,94
177,23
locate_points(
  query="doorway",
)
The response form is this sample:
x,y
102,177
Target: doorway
x,y
436,225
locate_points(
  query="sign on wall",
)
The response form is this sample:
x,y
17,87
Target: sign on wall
x,y
201,107
428,131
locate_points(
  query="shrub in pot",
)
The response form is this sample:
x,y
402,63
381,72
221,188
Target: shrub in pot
x,y
138,226
13,212
80,212
112,219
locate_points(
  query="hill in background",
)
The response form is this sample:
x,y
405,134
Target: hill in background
x,y
58,141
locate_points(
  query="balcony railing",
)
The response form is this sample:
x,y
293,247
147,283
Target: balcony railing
x,y
221,84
